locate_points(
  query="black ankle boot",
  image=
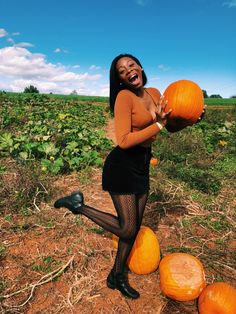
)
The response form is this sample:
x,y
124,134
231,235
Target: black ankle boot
x,y
73,202
122,284
111,280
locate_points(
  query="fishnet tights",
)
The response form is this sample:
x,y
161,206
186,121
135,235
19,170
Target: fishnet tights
x,y
125,225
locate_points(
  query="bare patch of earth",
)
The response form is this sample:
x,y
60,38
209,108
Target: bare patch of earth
x,y
58,262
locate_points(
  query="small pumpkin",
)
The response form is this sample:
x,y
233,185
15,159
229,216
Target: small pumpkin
x,y
218,297
154,161
145,255
186,100
182,276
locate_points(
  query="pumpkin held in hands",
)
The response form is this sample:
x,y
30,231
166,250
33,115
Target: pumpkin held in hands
x,y
144,257
182,276
186,100
219,297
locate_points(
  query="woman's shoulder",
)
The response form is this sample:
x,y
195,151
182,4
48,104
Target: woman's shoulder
x,y
125,93
153,91
126,96
124,99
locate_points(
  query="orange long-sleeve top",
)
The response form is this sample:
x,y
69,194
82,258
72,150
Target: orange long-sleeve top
x,y
134,124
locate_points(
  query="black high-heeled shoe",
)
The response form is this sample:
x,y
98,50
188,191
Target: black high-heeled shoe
x,y
73,202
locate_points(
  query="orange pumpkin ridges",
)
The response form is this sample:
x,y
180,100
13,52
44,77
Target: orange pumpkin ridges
x,y
186,100
218,297
144,257
182,276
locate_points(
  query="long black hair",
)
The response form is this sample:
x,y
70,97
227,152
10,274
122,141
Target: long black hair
x,y
115,85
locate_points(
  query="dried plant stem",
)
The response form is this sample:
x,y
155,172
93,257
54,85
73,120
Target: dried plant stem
x,y
37,193
226,266
46,278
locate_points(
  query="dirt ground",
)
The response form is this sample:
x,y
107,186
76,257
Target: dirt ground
x,y
58,263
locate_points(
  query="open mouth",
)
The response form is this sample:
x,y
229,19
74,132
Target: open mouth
x,y
133,78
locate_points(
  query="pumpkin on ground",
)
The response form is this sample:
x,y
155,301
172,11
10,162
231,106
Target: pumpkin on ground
x,y
182,276
144,257
219,297
186,100
154,161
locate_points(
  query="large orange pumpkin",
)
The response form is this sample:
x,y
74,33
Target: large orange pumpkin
x,y
144,257
219,297
186,100
182,276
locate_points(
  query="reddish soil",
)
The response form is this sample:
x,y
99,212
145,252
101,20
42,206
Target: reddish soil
x,y
50,240
81,288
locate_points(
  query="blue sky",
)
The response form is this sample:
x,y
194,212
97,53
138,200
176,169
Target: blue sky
x,y
60,46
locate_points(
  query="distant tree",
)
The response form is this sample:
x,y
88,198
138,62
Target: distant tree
x,y
234,96
205,93
215,96
74,92
31,89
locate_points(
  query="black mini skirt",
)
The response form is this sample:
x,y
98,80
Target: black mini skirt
x,y
126,171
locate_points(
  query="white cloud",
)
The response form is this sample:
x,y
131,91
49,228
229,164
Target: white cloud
x,y
163,68
104,91
19,85
59,50
19,68
3,32
11,41
23,44
230,4
94,67
154,78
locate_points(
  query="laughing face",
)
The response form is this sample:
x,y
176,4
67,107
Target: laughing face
x,y
130,73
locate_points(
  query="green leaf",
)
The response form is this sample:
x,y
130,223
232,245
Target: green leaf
x,y
72,145
6,140
49,148
23,155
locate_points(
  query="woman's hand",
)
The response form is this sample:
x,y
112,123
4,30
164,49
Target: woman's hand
x,y
179,124
161,115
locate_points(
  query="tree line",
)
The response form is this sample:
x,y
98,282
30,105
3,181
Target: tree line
x,y
34,90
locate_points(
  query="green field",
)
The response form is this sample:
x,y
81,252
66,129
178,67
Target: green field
x,y
220,101
65,133
52,97
50,144
209,101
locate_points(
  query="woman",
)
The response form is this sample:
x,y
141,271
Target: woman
x,y
139,115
